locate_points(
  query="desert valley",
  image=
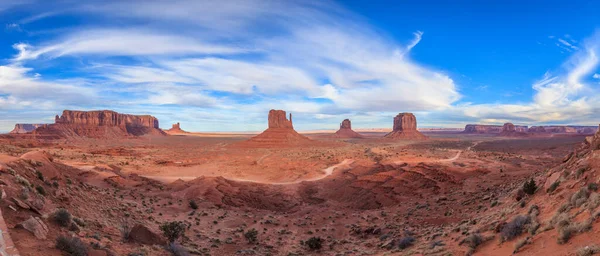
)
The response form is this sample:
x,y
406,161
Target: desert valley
x,y
106,183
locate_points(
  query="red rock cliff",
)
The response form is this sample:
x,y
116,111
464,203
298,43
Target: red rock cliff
x,y
106,118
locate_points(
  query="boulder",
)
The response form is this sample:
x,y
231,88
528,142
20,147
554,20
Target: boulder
x,y
36,226
405,127
143,235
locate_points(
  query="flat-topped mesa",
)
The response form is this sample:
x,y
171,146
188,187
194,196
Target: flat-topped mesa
x,y
25,128
509,129
176,126
98,124
106,118
346,131
277,119
536,129
405,127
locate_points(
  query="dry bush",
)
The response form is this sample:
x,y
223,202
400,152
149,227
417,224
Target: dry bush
x,y
588,250
514,228
522,242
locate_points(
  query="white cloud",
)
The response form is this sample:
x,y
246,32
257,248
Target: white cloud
x,y
121,42
597,76
567,44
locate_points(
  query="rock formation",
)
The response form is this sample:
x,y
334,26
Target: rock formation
x,y
175,129
594,141
99,124
536,129
346,131
280,132
36,226
25,128
405,127
509,129
489,129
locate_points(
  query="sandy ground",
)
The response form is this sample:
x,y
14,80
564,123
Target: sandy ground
x,y
341,190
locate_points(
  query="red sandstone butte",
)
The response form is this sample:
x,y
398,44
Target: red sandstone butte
x,y
99,124
25,128
510,130
175,129
346,131
405,127
279,133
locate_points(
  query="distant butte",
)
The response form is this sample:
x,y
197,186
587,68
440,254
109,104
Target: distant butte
x,y
280,132
346,131
175,129
405,127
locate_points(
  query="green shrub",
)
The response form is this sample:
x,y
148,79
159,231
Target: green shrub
x,y
40,190
251,236
193,205
173,230
553,187
315,243
530,187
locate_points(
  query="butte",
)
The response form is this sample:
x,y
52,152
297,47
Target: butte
x,y
405,127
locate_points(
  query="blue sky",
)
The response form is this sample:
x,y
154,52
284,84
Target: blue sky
x,y
221,65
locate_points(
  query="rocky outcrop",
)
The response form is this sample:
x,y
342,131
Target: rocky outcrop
x,y
36,226
594,141
175,129
98,124
405,127
280,132
143,235
346,131
25,128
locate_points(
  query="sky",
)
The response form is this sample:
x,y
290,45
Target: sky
x,y
222,65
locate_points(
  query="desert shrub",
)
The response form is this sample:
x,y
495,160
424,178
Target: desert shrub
x,y
588,250
251,236
534,210
592,186
553,187
406,242
23,181
63,217
530,187
72,246
519,244
593,201
125,227
193,205
40,175
315,243
565,232
173,230
473,241
579,172
580,197
79,221
515,227
177,250
40,190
